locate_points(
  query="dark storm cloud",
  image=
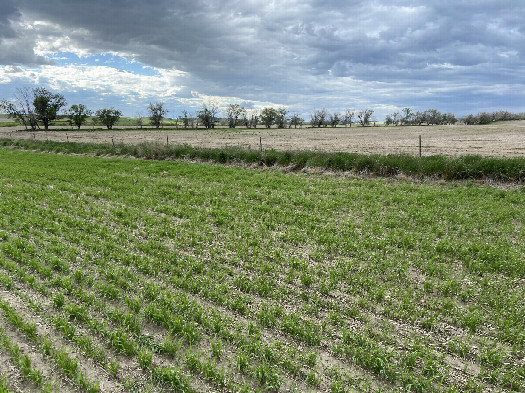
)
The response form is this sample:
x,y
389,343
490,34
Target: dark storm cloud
x,y
9,12
16,46
283,50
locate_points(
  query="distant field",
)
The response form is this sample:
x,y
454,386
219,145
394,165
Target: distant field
x,y
156,276
500,139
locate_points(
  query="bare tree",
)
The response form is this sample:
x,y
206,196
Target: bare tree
x,y
334,119
295,120
21,108
139,121
318,118
31,105
348,117
364,116
185,119
392,119
253,120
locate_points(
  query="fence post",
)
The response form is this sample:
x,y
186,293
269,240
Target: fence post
x,y
420,146
260,143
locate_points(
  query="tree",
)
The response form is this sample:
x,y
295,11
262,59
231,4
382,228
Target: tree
x,y
108,117
318,118
268,116
408,116
280,117
47,105
364,116
295,120
140,121
418,118
253,120
484,118
450,118
208,114
394,119
21,108
31,105
78,114
334,119
185,119
233,113
348,117
156,113
433,117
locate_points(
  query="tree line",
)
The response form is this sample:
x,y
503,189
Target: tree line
x,y
31,106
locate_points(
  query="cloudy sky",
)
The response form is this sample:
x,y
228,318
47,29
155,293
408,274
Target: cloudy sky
x,y
452,55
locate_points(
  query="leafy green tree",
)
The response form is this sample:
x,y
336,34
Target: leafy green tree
x,y
208,114
108,117
78,114
408,116
156,113
268,116
280,117
450,118
47,105
233,113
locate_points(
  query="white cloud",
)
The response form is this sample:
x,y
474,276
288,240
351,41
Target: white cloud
x,y
101,79
302,54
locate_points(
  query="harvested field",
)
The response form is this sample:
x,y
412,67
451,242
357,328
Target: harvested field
x,y
506,139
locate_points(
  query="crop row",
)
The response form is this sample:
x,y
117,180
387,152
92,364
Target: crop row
x,y
169,263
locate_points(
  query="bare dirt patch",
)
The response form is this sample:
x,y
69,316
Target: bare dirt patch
x,y
505,139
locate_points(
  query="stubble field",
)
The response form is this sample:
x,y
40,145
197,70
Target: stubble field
x,y
502,139
129,275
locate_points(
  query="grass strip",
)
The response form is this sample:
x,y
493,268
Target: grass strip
x,y
448,168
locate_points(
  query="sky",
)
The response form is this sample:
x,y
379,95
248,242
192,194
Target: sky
x,y
451,55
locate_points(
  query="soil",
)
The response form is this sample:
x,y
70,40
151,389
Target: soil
x,y
502,139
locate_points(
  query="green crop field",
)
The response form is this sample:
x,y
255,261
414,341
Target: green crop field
x,y
155,276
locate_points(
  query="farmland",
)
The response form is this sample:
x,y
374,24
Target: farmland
x,y
501,139
155,276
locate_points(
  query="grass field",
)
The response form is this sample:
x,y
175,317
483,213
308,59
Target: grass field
x,y
132,275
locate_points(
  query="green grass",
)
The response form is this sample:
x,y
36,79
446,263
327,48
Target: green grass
x,y
205,277
448,168
122,122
